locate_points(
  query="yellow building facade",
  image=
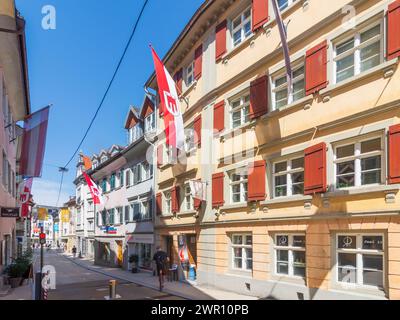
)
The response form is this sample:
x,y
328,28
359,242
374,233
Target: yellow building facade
x,y
302,190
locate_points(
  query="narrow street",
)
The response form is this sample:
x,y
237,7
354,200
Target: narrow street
x,y
74,282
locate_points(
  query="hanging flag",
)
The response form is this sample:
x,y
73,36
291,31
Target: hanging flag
x,y
42,214
24,196
198,189
170,105
65,215
87,162
94,190
34,143
285,47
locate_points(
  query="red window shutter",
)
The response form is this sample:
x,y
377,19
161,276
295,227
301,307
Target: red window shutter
x,y
394,154
393,29
220,40
178,80
197,204
217,190
159,204
197,130
259,97
219,116
160,156
260,13
175,199
198,62
316,68
256,181
315,169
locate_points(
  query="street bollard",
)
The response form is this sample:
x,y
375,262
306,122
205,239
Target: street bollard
x,y
113,289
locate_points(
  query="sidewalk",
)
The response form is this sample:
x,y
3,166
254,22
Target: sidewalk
x,y
21,293
146,279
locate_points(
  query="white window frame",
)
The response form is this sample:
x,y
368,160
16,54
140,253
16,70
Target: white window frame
x,y
189,139
357,158
289,171
242,246
279,75
150,123
359,251
289,3
168,202
188,198
135,133
189,75
357,47
243,182
290,249
243,22
242,108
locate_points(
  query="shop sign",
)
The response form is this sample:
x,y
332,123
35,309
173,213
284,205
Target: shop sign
x,y
9,212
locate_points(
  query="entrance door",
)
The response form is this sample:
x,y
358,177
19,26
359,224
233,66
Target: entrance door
x,y
119,253
170,248
192,248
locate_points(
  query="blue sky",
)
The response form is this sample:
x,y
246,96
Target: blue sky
x,y
70,67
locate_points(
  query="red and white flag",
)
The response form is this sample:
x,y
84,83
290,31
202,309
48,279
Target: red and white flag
x,y
34,143
24,195
170,104
94,190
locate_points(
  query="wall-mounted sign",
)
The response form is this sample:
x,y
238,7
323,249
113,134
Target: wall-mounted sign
x,y
9,212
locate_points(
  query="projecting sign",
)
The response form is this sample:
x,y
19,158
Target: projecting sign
x,y
9,212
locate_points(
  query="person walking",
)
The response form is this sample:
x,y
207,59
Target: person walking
x,y
74,251
161,260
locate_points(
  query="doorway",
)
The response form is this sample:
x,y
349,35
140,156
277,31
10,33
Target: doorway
x,y
192,248
119,253
169,243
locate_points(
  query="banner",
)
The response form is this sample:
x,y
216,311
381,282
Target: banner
x,y
24,196
42,214
65,215
198,189
170,104
94,190
34,143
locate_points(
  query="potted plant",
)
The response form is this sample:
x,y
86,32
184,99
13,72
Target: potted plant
x,y
15,272
134,260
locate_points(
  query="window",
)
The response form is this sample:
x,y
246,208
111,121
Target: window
x,y
127,213
241,27
128,177
104,185
288,177
359,163
283,4
188,198
111,216
172,155
280,88
168,203
189,139
242,251
240,110
238,186
103,159
135,133
120,217
189,74
147,171
359,53
136,211
95,164
121,178
290,255
360,259
5,168
112,182
137,174
150,122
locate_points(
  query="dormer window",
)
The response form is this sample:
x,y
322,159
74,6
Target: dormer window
x,y
95,164
150,122
103,159
135,133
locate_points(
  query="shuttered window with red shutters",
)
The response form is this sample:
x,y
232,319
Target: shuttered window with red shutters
x,y
316,68
394,154
315,169
219,116
175,199
160,156
178,78
198,62
159,204
217,190
197,130
220,40
393,30
257,181
259,97
260,13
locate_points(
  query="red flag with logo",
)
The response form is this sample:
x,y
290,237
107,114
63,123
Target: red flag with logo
x,y
24,196
94,190
34,143
171,107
